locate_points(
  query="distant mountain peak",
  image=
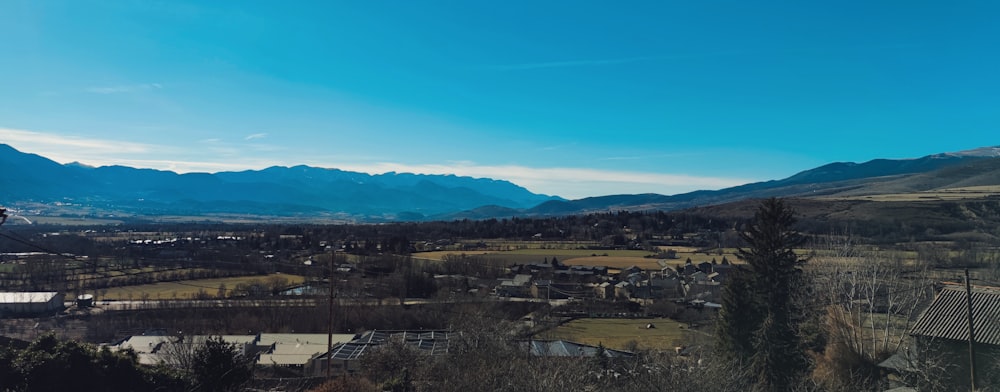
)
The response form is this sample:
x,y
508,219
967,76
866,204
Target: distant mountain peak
x,y
985,152
80,164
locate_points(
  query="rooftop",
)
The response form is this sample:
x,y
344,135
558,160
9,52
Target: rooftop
x,y
947,316
24,297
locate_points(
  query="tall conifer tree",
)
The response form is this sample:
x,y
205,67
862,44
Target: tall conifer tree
x,y
757,325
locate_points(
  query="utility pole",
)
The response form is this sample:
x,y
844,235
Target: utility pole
x,y
972,333
329,321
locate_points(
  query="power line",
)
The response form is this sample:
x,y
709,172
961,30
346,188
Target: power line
x,y
37,247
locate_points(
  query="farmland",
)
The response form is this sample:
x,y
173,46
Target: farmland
x,y
191,289
950,194
589,257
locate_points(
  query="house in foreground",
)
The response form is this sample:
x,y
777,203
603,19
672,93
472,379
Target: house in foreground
x,y
941,338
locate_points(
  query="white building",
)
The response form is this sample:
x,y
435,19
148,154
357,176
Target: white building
x,y
30,302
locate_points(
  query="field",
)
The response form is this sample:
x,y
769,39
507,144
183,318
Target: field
x,y
188,289
589,257
533,252
972,192
618,333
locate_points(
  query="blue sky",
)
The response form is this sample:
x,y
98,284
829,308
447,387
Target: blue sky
x,y
573,98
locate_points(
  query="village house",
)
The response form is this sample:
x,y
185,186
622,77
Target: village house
x,y
605,290
623,290
942,333
515,287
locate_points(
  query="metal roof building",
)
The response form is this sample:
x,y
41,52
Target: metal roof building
x,y
948,316
941,335
294,349
30,303
147,348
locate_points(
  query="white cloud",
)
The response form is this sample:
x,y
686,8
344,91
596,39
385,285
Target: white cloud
x,y
130,88
212,157
566,182
47,143
255,136
182,166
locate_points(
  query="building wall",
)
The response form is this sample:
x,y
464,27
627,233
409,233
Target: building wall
x,y
951,357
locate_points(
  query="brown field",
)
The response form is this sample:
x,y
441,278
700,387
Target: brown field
x,y
188,289
589,257
534,255
972,192
617,333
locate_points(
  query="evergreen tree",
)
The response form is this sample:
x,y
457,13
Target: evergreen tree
x,y
51,364
760,314
734,339
220,366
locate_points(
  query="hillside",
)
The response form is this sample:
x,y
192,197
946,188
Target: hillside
x,y
980,167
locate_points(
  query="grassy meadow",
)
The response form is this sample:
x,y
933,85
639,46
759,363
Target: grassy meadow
x,y
619,333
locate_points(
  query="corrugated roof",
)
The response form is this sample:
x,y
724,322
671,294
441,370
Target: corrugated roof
x,y
947,316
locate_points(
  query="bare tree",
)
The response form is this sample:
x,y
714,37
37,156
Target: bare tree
x,y
872,300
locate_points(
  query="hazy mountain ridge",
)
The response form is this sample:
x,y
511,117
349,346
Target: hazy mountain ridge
x,y
307,191
274,190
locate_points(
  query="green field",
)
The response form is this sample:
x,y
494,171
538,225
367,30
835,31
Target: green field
x,y
188,289
618,333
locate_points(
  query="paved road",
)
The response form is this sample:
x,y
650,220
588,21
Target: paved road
x,y
295,302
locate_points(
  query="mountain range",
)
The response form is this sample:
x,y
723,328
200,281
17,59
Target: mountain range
x,y
301,191
309,192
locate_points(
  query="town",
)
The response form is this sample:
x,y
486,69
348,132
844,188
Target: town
x,y
637,301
